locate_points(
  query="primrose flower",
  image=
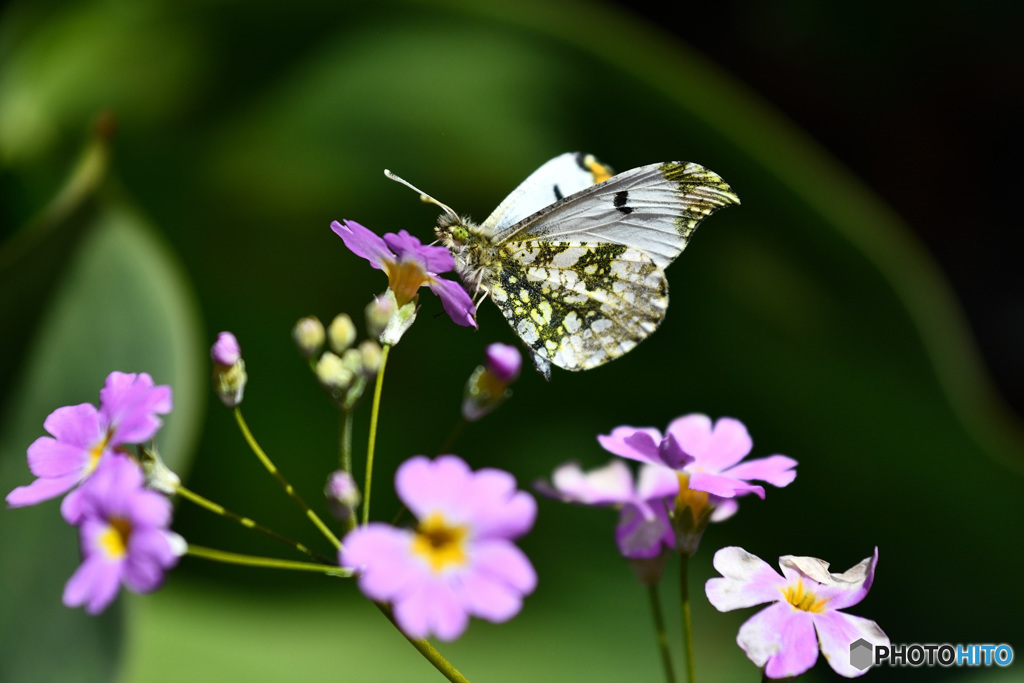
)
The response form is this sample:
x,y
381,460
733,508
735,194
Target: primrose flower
x,y
707,454
459,561
124,536
409,265
82,436
644,528
784,637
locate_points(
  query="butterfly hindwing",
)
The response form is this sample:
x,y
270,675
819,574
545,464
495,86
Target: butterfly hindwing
x,y
578,305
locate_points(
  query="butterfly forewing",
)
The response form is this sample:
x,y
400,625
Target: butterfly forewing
x,y
654,208
564,175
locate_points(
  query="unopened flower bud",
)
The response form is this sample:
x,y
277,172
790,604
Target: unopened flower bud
x,y
229,376
398,320
341,334
342,495
487,388
379,312
353,361
370,351
332,373
158,476
504,362
308,335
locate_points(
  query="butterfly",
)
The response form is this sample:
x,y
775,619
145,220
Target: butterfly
x,y
575,257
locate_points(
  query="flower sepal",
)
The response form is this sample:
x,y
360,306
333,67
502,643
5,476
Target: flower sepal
x,y
400,320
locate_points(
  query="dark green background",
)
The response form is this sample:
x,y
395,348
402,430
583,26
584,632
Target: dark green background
x,y
809,312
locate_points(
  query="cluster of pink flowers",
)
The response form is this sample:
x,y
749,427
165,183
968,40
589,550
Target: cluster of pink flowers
x,y
123,526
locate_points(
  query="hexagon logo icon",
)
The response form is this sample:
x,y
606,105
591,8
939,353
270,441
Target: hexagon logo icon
x,y
861,654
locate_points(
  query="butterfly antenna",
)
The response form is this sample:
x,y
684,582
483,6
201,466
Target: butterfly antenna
x,y
424,197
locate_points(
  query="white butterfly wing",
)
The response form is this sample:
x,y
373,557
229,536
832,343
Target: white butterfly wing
x,y
564,175
652,208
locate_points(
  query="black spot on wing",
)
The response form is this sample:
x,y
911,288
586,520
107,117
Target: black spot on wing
x,y
558,193
620,202
581,161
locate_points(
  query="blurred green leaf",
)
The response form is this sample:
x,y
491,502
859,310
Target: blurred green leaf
x,y
123,304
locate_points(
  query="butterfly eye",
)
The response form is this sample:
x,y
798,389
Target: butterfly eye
x,y
459,233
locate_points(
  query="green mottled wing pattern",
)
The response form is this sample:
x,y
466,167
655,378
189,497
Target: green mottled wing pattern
x,y
577,305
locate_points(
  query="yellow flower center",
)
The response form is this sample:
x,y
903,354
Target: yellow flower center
x,y
697,501
439,543
114,541
803,599
96,452
405,279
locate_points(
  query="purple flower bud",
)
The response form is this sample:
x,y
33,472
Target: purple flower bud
x,y
504,362
229,376
225,351
342,494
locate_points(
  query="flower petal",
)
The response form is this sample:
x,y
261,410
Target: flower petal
x,y
850,587
781,639
431,608
606,485
94,584
434,259
76,425
776,470
835,633
644,530
128,406
495,508
426,486
457,303
363,242
629,442
381,555
714,447
41,489
654,481
723,486
48,457
747,580
503,560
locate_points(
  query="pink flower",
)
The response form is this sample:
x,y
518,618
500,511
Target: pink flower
x,y
409,265
644,528
83,435
124,536
784,638
708,454
459,561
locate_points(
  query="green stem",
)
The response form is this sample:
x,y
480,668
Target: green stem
x,y
265,562
453,437
372,440
662,637
288,488
248,523
684,594
428,651
346,459
346,441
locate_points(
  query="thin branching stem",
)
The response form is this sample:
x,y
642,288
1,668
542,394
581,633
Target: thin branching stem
x,y
288,488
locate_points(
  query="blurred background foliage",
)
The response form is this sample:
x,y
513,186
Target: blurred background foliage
x,y
243,129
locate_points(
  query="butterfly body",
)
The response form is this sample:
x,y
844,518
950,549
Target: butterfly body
x,y
575,257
